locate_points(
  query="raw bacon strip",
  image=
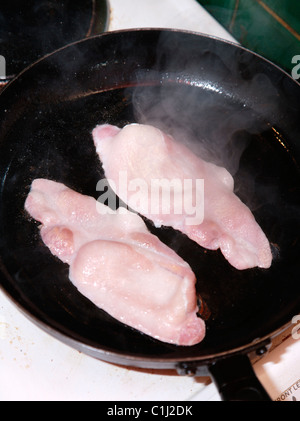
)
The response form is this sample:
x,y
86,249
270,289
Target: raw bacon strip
x,y
118,264
142,152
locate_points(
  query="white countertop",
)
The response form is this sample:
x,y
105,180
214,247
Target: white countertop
x,y
34,366
176,14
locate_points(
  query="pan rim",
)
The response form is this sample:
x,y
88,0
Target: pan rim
x,y
148,30
137,360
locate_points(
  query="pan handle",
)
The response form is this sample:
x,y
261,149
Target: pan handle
x,y
236,380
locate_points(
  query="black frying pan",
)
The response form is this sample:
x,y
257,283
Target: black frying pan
x,y
244,113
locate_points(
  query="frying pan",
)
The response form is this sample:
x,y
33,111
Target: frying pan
x,y
243,112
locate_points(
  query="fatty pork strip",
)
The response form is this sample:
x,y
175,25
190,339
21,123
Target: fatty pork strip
x,y
118,264
144,152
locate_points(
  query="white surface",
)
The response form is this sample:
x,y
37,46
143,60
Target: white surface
x,y
34,366
176,14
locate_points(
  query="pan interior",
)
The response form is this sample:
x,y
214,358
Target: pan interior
x,y
51,138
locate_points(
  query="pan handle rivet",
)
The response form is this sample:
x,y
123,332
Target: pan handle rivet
x,y
261,351
186,370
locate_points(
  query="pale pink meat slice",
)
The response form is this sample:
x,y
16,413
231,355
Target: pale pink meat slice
x,y
144,152
118,264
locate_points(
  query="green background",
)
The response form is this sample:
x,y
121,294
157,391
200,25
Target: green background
x,y
269,27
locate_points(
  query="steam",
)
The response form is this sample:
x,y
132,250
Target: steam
x,y
204,125
205,120
205,101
